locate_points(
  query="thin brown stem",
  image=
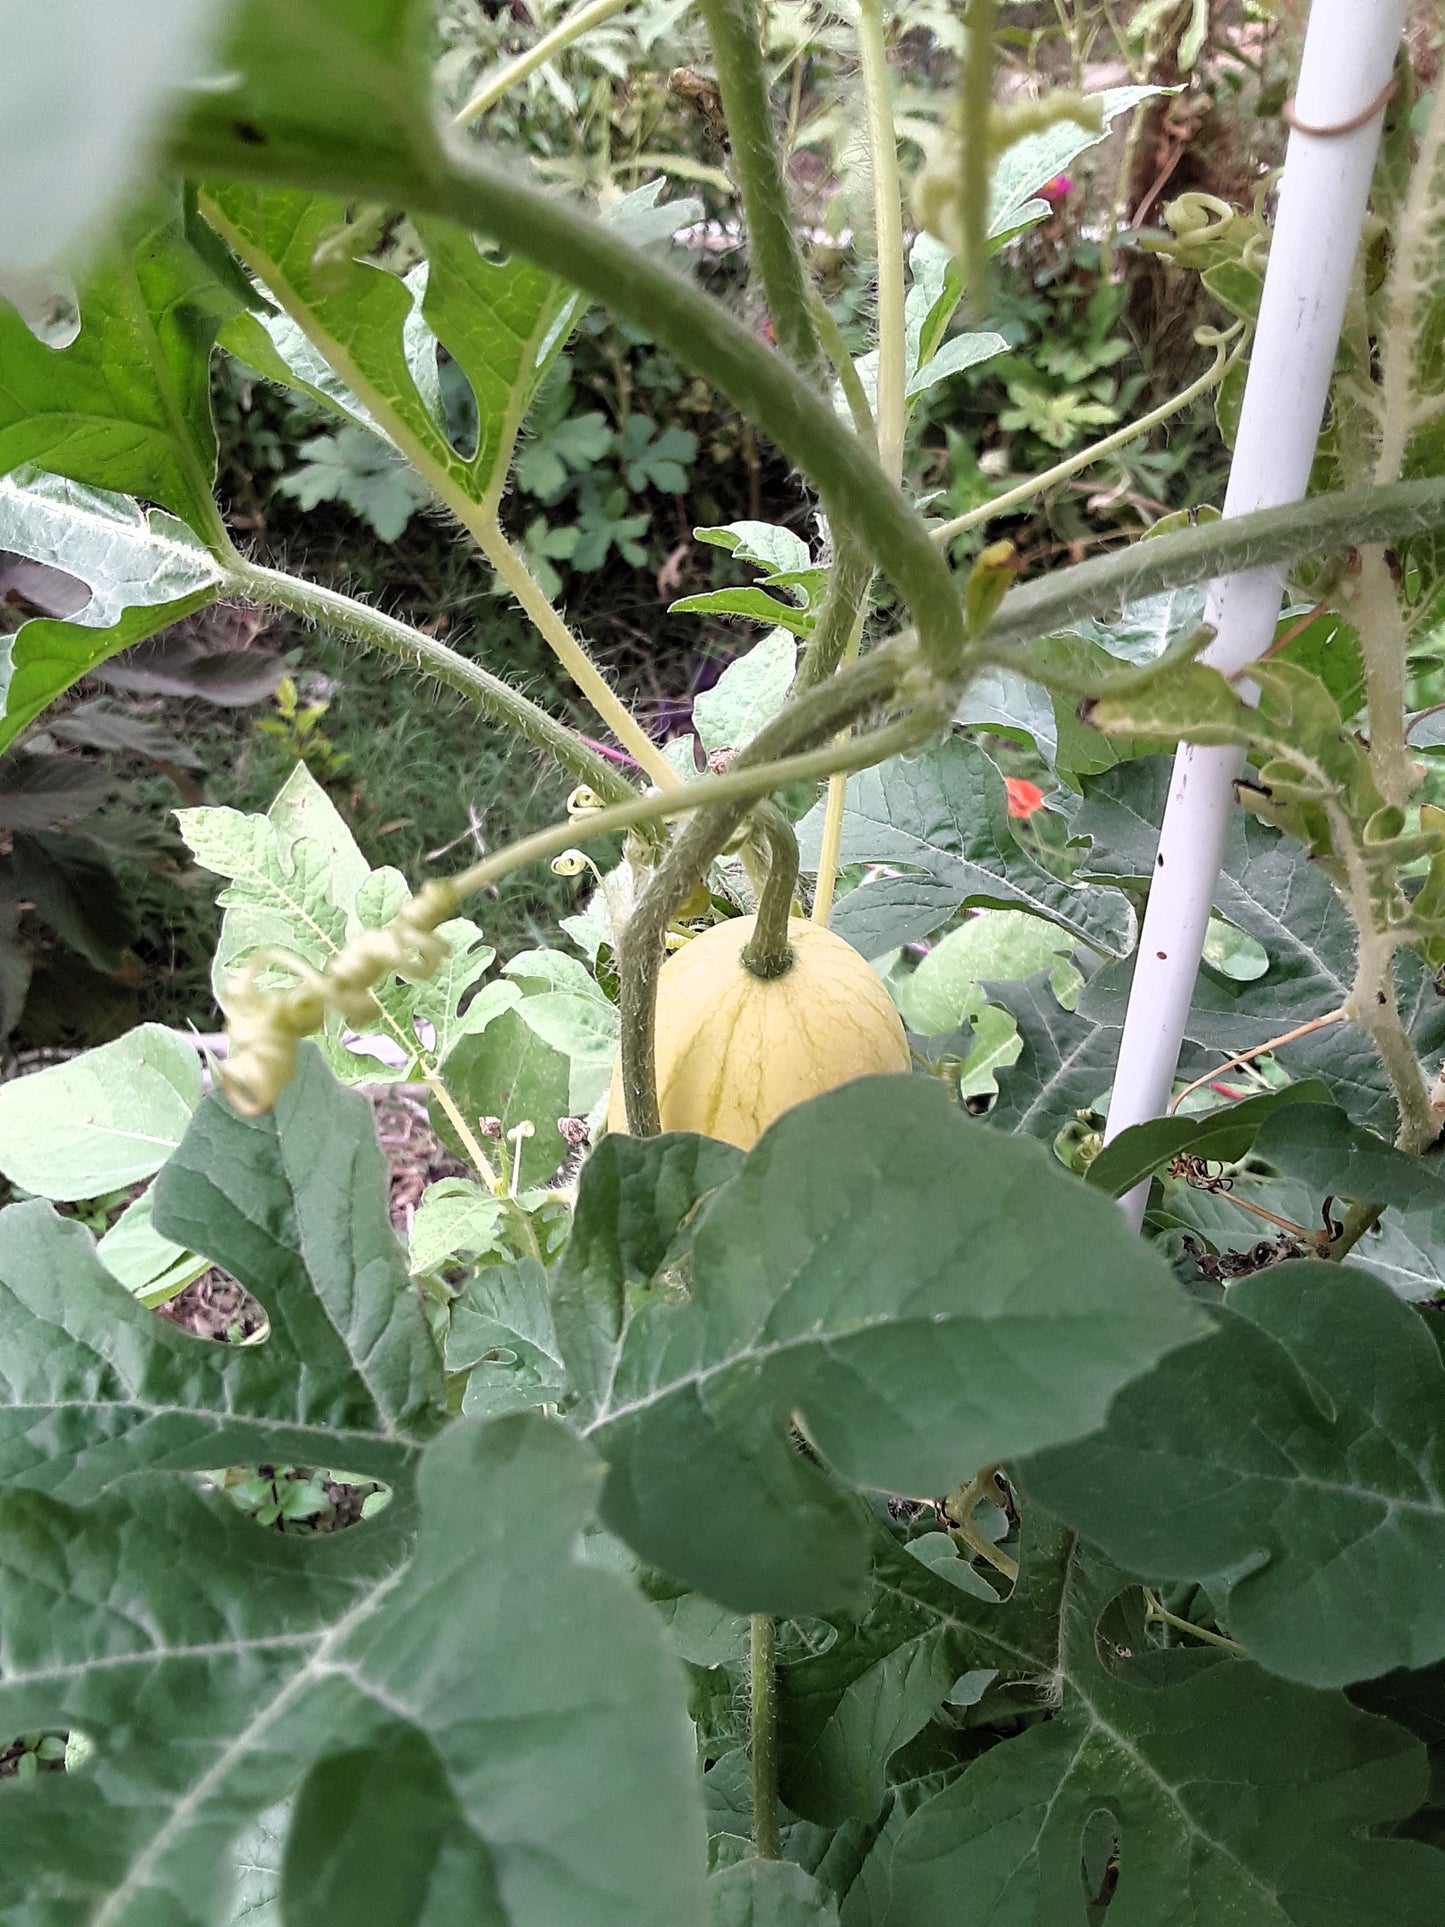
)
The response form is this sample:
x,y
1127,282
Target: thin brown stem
x,y
1247,1056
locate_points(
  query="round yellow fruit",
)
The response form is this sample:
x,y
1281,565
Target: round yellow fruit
x,y
735,1051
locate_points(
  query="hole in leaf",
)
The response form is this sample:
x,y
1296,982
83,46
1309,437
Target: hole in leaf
x,y
215,1306
804,1639
301,1499
1233,953
1099,1860
29,588
51,1750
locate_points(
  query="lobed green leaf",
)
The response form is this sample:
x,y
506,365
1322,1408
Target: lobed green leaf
x,y
945,814
1225,1795
1295,1463
874,1275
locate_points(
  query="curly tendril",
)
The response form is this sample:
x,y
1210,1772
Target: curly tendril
x,y
266,1026
1204,231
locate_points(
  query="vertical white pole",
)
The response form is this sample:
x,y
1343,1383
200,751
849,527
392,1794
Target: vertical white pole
x,y
1348,55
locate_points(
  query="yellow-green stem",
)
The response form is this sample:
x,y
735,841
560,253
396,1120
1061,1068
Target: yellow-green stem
x,y
517,577
735,35
833,814
274,588
830,335
892,403
1370,598
739,785
557,41
478,518
888,226
481,1164
1374,1007
1154,1608
1061,471
976,145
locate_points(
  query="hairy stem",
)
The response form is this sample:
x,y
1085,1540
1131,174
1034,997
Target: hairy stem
x,y
737,49
1313,527
1411,309
888,224
503,78
275,589
1374,609
768,953
1061,471
1374,1008
514,572
763,1734
830,335
1119,199
841,613
784,752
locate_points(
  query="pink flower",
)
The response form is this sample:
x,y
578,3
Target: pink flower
x,y
1056,190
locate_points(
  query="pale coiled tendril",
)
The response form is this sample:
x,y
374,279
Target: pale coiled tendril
x,y
265,1025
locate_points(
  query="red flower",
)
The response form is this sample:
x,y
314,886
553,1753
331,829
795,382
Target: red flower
x,y
1023,797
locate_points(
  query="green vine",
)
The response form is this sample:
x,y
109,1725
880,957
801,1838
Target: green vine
x,y
734,34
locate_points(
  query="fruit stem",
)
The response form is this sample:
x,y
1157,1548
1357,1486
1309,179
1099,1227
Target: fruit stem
x,y
768,953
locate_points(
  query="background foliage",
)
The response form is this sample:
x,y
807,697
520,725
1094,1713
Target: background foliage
x,y
858,1527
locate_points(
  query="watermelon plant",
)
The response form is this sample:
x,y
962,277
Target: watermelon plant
x,y
824,1508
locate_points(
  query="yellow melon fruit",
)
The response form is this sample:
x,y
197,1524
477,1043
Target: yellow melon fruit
x,y
735,1051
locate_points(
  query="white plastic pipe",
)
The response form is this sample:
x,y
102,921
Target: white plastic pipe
x,y
1348,56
